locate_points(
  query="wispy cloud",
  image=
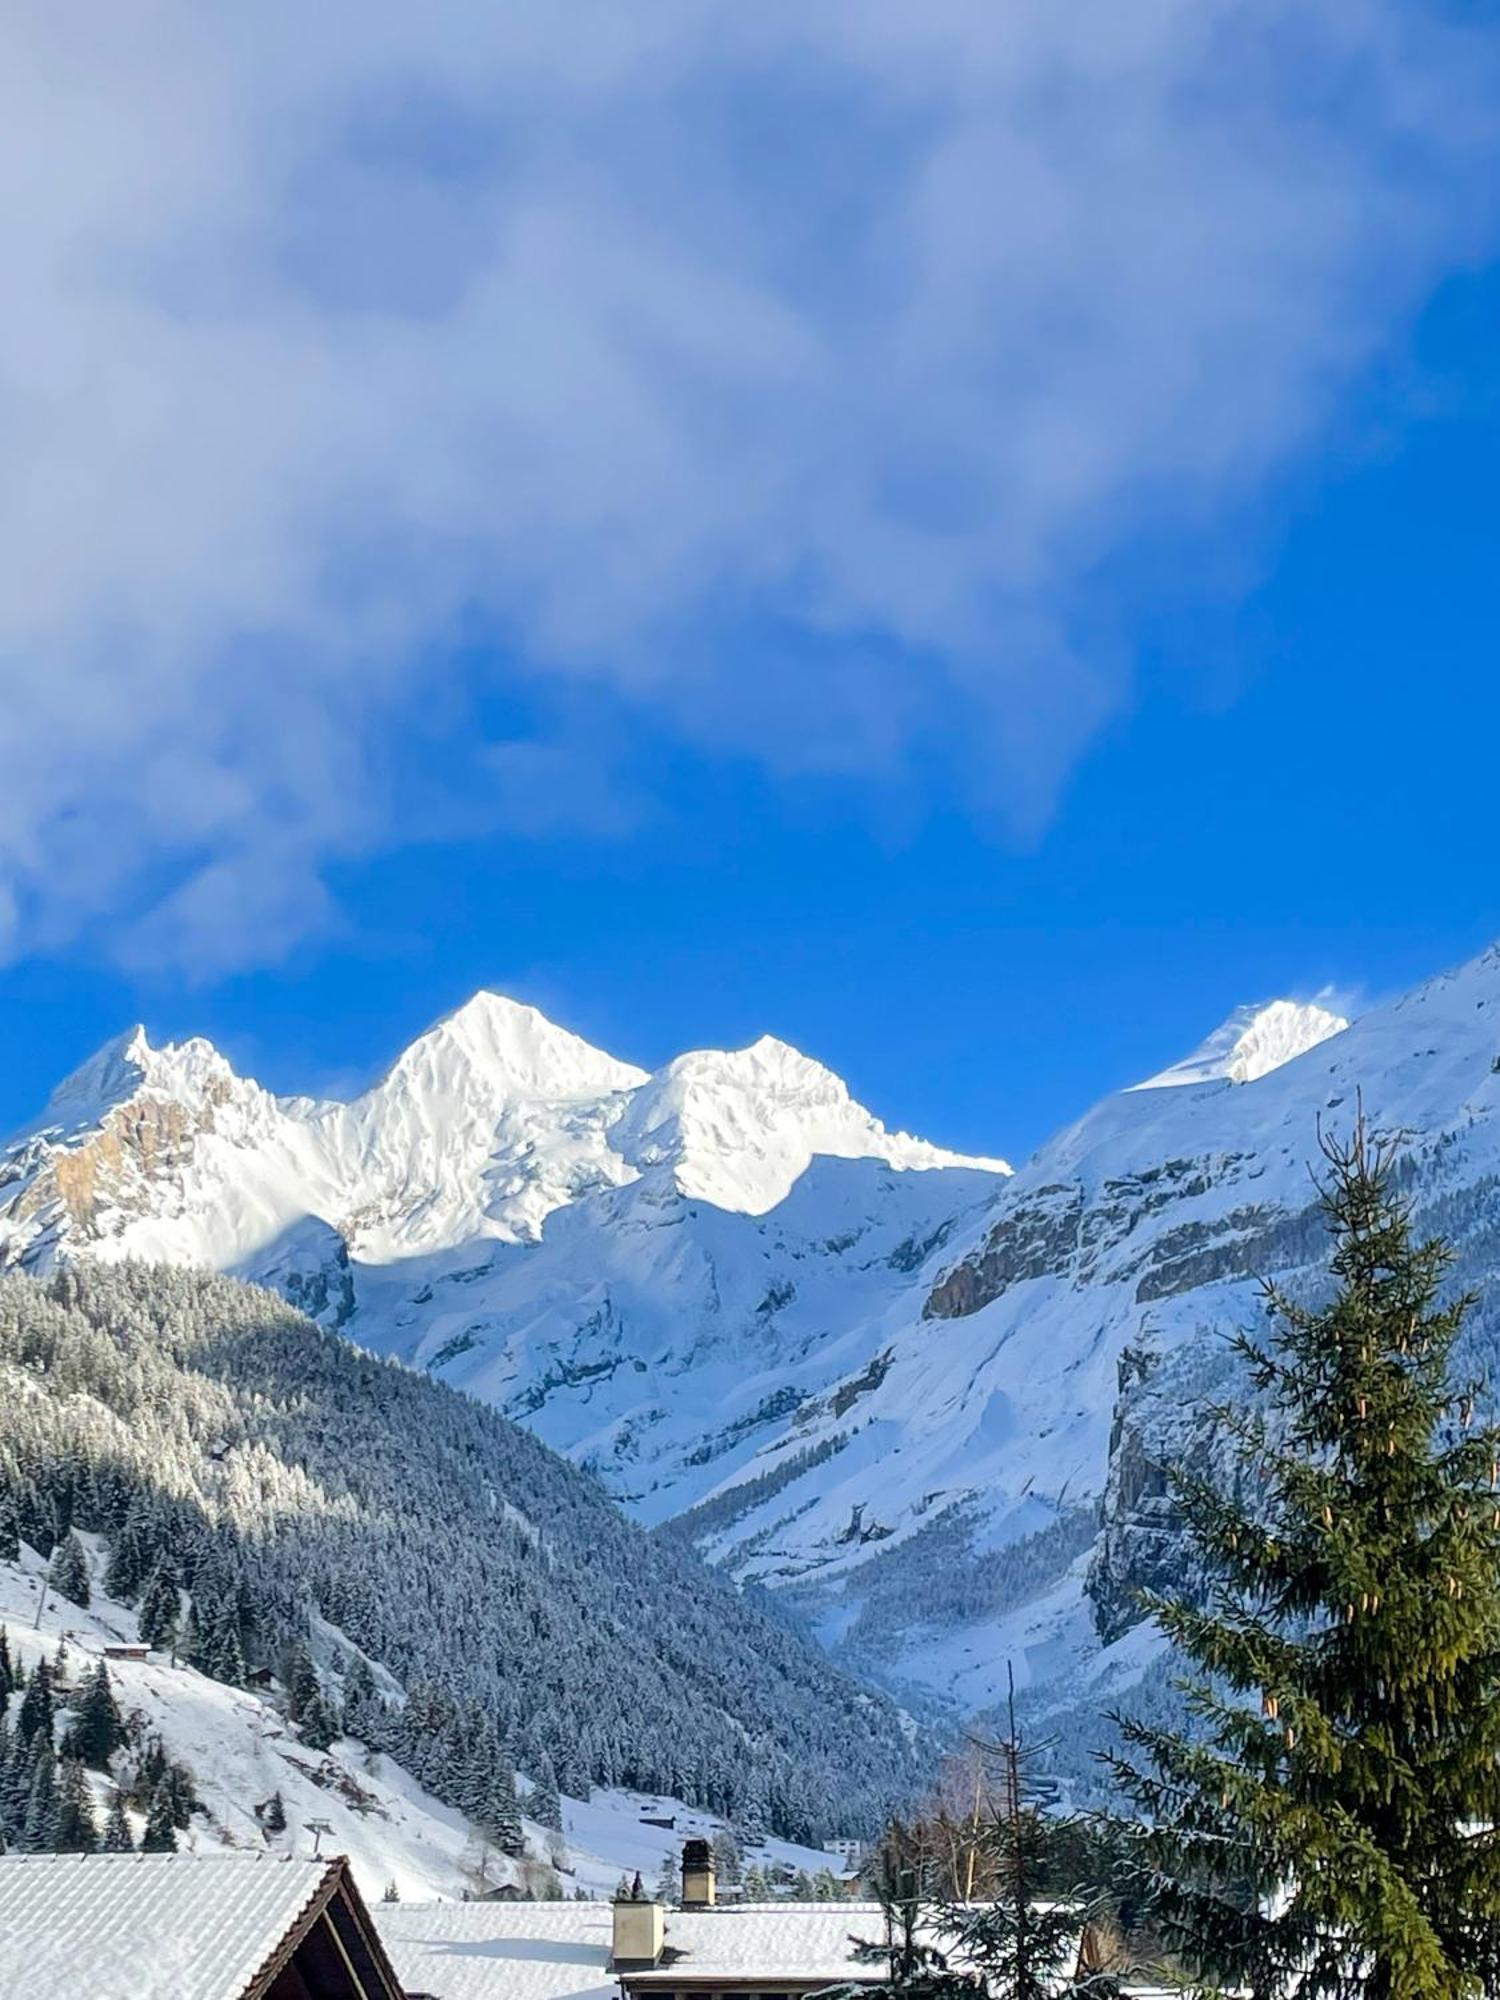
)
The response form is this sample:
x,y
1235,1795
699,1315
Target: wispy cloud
x,y
777,372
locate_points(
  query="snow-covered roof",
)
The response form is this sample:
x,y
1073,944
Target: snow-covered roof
x,y
769,1941
480,1951
560,1951
147,1926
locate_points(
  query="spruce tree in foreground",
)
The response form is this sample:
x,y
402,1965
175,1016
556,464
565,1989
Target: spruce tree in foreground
x,y
1333,1828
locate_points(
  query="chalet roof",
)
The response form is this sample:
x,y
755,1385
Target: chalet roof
x,y
153,1926
561,1951
500,1951
769,1942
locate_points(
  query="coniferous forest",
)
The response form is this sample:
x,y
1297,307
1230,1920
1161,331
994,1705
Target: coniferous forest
x,y
252,1474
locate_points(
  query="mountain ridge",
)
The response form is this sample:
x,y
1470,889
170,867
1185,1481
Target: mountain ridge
x,y
480,1128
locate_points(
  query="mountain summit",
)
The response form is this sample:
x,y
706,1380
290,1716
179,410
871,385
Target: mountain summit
x,y
1254,1041
481,1129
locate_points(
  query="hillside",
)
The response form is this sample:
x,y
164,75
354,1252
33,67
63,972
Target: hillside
x,y
512,1616
240,1750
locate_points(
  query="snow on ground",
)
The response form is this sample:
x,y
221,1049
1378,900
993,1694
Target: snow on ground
x,y
240,1749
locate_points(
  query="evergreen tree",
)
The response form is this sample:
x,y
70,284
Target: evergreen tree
x,y
503,1815
8,1682
74,1830
160,1836
10,1528
728,1866
132,1551
117,1838
69,1570
544,1805
302,1683
15,1786
273,1819
390,1893
668,1887
97,1730
37,1709
1328,1832
318,1723
1021,1934
755,1814
178,1780
41,1803
160,1609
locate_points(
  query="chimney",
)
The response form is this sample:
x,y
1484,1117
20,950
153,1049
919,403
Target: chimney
x,y
640,1931
697,1875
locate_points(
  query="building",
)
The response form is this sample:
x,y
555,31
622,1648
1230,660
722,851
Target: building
x,y
601,1951
186,1927
637,1949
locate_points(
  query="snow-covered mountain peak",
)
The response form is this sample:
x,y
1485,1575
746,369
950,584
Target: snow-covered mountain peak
x,y
486,1125
511,1050
1254,1041
193,1073
739,1127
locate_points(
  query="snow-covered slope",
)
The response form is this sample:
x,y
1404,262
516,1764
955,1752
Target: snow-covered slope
x,y
240,1749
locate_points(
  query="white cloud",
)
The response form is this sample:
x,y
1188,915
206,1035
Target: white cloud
x,y
333,332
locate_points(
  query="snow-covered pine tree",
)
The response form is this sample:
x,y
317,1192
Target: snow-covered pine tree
x,y
728,1865
668,1887
503,1816
41,1803
7,1672
37,1709
160,1836
1329,1831
10,1528
117,1838
318,1724
73,1830
754,1820
160,1608
544,1805
300,1678
133,1550
69,1570
273,1818
97,1729
15,1786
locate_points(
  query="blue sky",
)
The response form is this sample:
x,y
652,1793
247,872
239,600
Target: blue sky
x,y
969,547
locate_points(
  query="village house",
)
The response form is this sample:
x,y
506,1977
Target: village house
x,y
186,1927
638,1949
635,1948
